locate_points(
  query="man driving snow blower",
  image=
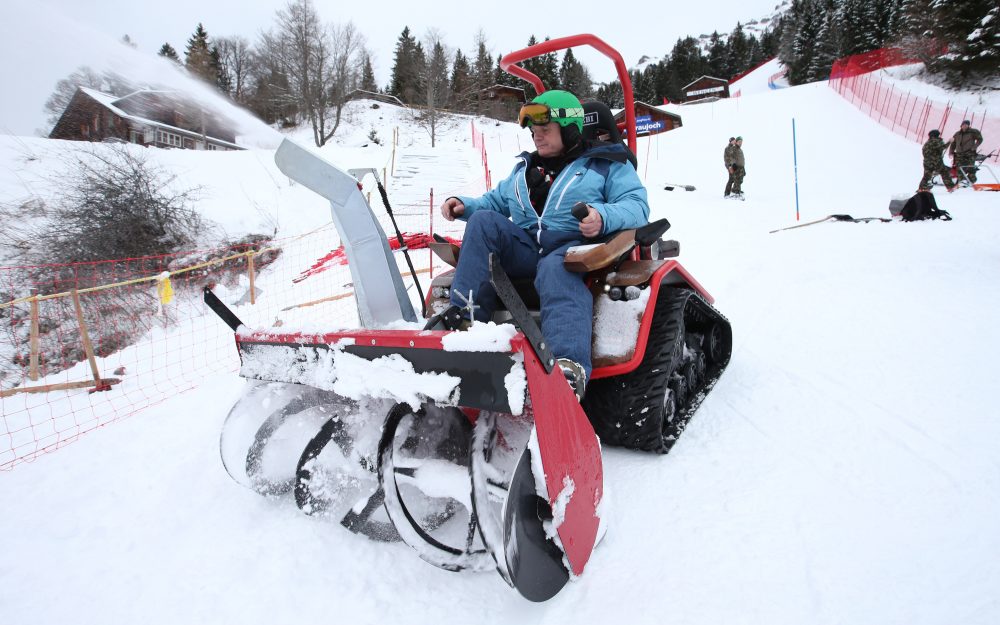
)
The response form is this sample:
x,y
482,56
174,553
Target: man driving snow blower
x,y
528,221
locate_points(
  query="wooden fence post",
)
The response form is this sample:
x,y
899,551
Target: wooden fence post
x,y
253,277
33,341
88,347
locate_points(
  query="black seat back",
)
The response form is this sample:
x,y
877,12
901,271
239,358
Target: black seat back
x,y
598,120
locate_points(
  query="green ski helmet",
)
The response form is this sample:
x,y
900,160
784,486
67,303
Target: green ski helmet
x,y
561,107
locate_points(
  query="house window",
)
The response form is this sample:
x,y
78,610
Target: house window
x,y
134,136
169,138
211,146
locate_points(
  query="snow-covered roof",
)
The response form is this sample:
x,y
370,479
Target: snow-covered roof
x,y
109,101
722,80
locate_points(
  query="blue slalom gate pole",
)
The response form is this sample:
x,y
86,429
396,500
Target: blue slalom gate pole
x,y
795,160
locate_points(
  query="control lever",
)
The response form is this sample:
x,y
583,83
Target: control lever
x,y
580,211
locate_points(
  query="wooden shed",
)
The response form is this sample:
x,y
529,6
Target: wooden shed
x,y
650,120
706,88
500,102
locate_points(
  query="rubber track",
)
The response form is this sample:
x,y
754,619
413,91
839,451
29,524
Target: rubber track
x,y
627,410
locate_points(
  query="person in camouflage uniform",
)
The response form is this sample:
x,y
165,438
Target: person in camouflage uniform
x,y
726,159
736,166
934,162
964,146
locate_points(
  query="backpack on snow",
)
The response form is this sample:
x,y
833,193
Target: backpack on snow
x,y
922,206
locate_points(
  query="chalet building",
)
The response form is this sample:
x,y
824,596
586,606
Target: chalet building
x,y
361,94
501,102
163,119
650,120
705,89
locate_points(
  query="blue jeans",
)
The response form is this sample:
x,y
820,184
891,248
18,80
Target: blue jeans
x,y
567,304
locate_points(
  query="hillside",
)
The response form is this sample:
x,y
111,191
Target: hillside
x,y
844,469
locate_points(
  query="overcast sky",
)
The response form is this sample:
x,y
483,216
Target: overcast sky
x,y
42,41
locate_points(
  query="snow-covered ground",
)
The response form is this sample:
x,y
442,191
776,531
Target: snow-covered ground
x,y
844,469
759,80
912,78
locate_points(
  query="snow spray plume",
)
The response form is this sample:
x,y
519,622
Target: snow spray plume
x,y
60,46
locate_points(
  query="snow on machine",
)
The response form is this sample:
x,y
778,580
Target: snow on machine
x,y
470,446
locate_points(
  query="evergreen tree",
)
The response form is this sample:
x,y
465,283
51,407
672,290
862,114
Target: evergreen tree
x,y
198,57
738,57
718,61
406,68
969,29
611,94
167,50
859,27
756,53
826,49
462,83
482,71
685,65
222,78
550,70
574,77
804,39
126,40
368,75
436,87
500,77
770,39
916,30
982,51
533,65
420,67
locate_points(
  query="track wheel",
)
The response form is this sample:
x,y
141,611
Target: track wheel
x,y
678,384
690,374
534,561
423,470
715,349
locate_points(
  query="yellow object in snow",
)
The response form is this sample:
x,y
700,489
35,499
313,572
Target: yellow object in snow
x,y
164,289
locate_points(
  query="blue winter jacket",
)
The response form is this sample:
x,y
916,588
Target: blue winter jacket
x,y
601,177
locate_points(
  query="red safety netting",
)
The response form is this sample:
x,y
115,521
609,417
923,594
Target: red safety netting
x,y
903,112
479,143
148,347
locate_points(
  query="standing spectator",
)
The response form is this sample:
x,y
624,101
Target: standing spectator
x,y
934,162
727,158
736,165
964,146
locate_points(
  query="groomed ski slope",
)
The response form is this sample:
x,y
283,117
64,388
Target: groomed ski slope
x,y
844,470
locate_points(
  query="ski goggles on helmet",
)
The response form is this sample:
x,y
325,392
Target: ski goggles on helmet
x,y
541,114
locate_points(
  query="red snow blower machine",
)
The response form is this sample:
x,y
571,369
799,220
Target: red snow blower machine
x,y
471,446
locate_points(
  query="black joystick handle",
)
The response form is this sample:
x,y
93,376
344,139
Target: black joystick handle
x,y
580,211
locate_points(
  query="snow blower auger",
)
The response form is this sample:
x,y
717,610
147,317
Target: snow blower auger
x,y
470,446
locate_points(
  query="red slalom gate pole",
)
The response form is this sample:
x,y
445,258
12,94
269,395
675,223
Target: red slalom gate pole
x,y
430,253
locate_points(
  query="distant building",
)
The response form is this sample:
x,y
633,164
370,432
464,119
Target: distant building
x,y
165,119
361,94
650,120
501,102
707,89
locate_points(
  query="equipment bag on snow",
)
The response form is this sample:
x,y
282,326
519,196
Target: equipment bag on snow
x,y
922,206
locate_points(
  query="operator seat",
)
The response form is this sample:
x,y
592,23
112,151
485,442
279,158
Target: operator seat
x,y
597,119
